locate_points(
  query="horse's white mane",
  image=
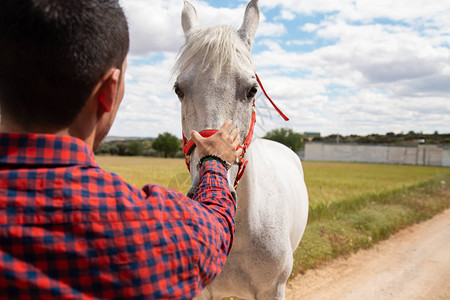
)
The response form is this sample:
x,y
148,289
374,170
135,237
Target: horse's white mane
x,y
221,48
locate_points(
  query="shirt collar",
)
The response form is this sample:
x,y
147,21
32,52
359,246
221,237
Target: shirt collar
x,y
44,149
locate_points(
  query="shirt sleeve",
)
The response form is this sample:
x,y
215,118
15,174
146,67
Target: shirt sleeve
x,y
199,230
219,206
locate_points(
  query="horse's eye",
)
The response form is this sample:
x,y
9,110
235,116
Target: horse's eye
x,y
252,93
179,91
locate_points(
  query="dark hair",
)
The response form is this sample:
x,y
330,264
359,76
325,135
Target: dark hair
x,y
53,53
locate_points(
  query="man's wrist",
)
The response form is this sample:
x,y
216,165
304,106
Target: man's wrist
x,y
210,157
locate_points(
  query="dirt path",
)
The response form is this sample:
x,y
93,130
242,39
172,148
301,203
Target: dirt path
x,y
412,264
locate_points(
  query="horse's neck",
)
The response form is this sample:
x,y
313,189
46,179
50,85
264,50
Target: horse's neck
x,y
267,162
252,198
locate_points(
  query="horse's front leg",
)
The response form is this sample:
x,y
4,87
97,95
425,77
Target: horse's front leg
x,y
207,294
277,293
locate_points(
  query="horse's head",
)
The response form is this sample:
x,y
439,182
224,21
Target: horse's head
x,y
216,80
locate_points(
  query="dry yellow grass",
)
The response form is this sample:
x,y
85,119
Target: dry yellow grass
x,y
140,171
326,181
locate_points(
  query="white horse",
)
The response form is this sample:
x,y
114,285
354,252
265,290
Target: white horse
x,y
217,82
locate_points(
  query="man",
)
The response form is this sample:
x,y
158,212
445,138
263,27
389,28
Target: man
x,y
68,229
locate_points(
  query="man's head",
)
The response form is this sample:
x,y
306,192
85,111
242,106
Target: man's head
x,y
53,53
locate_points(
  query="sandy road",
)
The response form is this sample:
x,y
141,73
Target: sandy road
x,y
412,264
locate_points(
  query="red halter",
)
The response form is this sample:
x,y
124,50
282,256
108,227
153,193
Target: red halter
x,y
188,146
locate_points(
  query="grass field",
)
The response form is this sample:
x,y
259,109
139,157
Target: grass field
x,y
142,170
352,205
330,182
327,182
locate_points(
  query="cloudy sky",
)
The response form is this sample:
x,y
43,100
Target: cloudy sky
x,y
333,66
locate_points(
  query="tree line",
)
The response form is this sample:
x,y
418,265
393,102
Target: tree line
x,y
165,145
168,145
390,138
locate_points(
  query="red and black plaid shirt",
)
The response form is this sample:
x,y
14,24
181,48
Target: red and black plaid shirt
x,y
70,230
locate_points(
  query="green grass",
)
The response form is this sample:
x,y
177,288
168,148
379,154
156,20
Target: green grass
x,y
333,181
334,185
352,205
346,229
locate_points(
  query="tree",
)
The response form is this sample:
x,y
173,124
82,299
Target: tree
x,y
135,148
121,149
286,137
167,144
113,149
104,148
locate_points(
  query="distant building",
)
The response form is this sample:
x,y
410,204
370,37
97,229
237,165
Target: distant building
x,y
308,136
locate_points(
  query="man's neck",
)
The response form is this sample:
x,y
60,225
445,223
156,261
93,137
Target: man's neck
x,y
8,126
84,127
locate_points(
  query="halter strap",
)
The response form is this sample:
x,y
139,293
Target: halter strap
x,y
242,162
188,146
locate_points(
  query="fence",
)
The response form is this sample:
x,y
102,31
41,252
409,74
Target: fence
x,y
426,155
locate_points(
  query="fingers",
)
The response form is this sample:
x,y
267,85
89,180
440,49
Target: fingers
x,y
226,126
234,134
196,137
223,144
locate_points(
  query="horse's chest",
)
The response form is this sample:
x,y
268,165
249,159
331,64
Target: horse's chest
x,y
258,238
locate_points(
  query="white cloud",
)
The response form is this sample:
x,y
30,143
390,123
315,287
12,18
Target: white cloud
x,y
156,25
363,76
307,6
365,110
300,42
271,29
382,53
149,106
399,10
392,78
367,10
286,15
309,27
272,45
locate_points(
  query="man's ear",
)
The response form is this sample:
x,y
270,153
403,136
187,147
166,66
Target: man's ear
x,y
107,91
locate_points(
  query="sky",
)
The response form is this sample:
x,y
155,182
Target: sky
x,y
333,66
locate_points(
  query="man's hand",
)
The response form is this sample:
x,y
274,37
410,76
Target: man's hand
x,y
222,144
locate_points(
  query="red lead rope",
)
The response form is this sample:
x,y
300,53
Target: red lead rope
x,y
188,146
271,102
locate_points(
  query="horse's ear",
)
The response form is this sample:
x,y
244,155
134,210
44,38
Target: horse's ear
x,y
250,24
189,18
